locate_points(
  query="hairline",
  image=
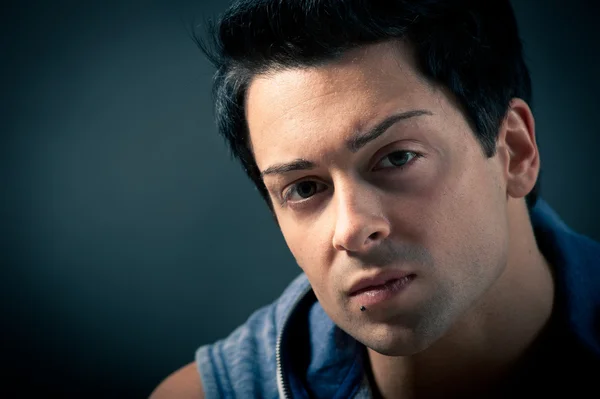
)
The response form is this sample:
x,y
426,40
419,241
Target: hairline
x,y
273,67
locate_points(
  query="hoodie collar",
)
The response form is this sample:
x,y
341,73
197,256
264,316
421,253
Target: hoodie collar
x,y
575,260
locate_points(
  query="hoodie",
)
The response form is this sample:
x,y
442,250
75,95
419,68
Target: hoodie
x,y
292,349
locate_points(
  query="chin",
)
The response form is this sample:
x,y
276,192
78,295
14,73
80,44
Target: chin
x,y
406,339
405,343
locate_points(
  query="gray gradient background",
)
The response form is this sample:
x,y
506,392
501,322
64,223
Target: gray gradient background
x,y
129,237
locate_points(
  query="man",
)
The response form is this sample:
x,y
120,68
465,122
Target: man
x,y
394,143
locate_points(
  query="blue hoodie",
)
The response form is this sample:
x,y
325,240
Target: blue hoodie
x,y
292,349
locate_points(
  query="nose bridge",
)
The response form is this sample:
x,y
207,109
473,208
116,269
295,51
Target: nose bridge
x,y
352,196
360,220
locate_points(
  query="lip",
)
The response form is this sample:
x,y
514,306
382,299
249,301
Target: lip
x,y
376,281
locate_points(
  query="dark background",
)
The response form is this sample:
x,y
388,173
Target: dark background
x,y
128,236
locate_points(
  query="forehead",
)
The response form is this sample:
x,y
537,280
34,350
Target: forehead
x,y
303,110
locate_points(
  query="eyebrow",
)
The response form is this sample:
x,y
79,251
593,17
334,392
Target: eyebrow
x,y
361,139
297,164
354,144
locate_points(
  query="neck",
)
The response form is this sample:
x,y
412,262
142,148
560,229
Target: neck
x,y
483,345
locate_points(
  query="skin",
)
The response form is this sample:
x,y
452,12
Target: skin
x,y
423,198
452,216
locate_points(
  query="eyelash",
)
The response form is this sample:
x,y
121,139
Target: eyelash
x,y
285,200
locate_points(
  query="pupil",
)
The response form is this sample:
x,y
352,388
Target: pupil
x,y
398,158
306,189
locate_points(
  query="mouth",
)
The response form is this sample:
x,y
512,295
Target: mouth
x,y
377,289
378,280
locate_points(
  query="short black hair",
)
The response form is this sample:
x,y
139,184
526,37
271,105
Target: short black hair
x,y
471,47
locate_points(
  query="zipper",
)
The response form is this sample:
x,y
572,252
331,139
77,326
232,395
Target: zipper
x,y
282,384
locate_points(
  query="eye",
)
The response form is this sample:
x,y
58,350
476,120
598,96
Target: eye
x,y
303,190
397,159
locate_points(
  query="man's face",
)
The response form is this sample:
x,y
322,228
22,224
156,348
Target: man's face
x,y
373,171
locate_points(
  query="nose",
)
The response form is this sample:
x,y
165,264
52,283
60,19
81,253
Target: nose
x,y
360,221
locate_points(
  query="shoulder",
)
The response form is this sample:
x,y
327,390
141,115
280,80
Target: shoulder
x,y
244,364
241,364
183,383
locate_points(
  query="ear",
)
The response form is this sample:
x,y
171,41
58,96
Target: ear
x,y
518,149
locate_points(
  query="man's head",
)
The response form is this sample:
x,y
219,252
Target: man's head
x,y
385,136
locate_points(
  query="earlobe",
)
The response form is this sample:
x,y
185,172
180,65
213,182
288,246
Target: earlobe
x,y
518,137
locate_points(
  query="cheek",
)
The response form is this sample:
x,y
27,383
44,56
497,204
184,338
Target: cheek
x,y
313,251
310,248
469,239
459,214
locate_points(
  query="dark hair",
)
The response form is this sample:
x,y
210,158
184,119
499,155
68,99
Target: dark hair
x,y
472,47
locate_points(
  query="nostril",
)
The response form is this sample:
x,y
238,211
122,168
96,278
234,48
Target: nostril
x,y
375,236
